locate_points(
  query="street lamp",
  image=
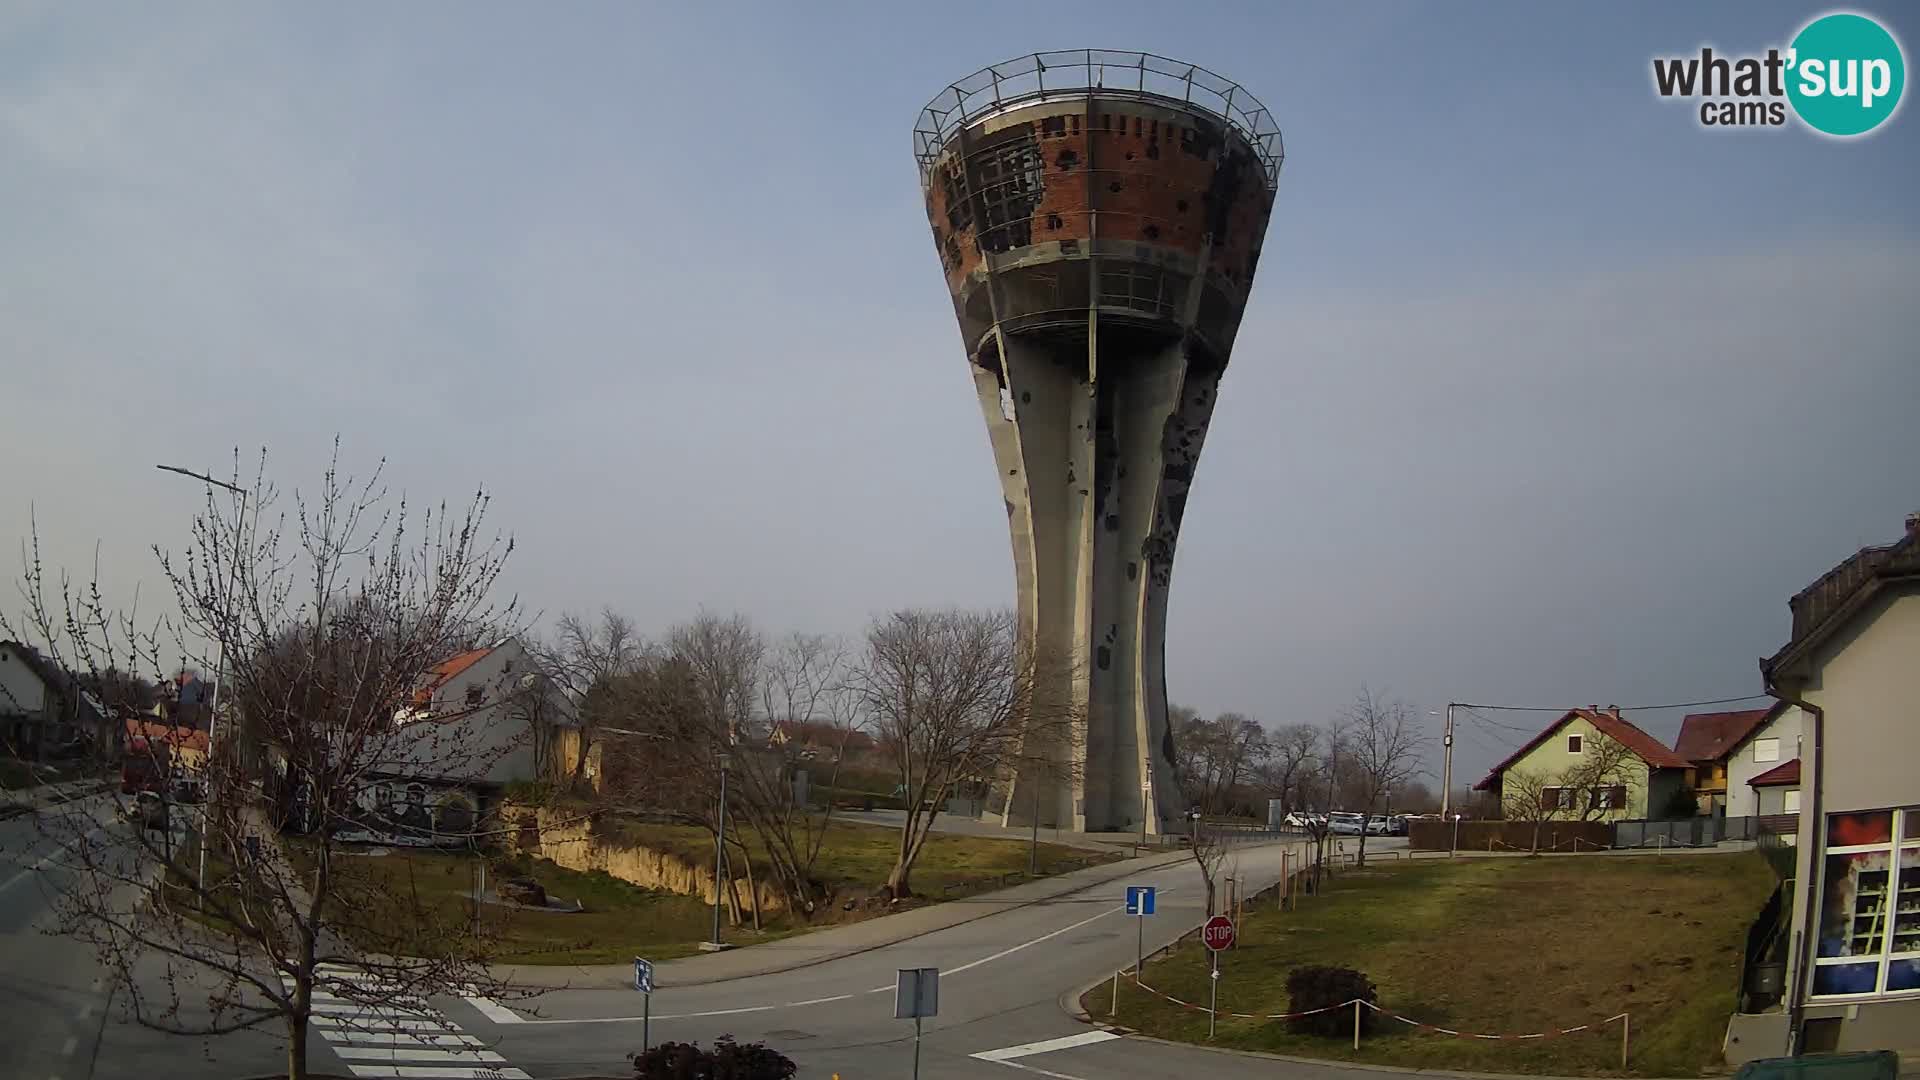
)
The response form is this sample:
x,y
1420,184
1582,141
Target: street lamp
x,y
1456,837
220,663
719,857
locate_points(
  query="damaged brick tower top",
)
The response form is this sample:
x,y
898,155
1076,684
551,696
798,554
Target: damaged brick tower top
x,y
1099,216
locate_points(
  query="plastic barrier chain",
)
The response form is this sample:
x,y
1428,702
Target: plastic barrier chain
x,y
1409,1021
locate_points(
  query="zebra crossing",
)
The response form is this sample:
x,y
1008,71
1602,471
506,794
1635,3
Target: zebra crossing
x,y
399,1037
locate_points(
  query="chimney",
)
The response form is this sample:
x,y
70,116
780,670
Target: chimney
x,y
1913,523
1615,710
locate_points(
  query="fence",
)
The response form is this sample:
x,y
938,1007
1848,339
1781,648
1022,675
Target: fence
x,y
1508,835
1697,831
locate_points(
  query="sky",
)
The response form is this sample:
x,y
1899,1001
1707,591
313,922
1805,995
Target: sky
x,y
1546,395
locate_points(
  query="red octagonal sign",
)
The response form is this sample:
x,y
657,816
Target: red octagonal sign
x,y
1218,933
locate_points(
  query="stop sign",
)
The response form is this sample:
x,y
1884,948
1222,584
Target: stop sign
x,y
1218,933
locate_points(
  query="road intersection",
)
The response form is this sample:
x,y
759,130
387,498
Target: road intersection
x,y
1012,965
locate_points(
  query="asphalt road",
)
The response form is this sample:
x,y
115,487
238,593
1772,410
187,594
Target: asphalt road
x,y
1002,980
1004,976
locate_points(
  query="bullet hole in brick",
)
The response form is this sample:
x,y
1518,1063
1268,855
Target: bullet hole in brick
x,y
1013,472
1083,491
1026,397
1106,658
1133,571
1181,206
1153,232
1066,159
1129,155
1053,221
1114,187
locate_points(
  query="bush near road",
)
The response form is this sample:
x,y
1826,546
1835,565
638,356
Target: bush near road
x,y
1496,946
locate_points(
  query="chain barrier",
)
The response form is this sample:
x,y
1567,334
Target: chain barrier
x,y
1407,1020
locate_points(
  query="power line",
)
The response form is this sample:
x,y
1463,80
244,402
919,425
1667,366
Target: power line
x,y
1623,708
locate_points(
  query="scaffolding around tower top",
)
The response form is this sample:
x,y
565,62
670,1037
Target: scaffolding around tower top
x,y
1044,76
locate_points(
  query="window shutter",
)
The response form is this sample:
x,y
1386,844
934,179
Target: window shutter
x,y
1618,797
1550,798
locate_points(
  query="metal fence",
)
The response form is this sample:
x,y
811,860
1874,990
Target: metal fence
x,y
1688,832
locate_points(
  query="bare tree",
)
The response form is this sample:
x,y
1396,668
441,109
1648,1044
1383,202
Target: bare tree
x,y
1382,741
327,618
1216,756
1290,758
1601,781
953,699
584,659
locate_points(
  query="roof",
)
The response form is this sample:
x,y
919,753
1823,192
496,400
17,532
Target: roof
x,y
1710,736
823,733
440,674
1785,774
1608,723
1823,608
187,738
42,668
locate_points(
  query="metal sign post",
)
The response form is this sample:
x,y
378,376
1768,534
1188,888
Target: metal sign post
x,y
1140,905
643,982
916,995
1217,935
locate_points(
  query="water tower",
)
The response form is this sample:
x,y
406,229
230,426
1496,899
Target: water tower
x,y
1099,216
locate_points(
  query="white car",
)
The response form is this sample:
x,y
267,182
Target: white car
x,y
1378,825
1340,823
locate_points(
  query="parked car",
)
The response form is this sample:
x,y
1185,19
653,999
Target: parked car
x,y
1340,823
1298,820
1377,825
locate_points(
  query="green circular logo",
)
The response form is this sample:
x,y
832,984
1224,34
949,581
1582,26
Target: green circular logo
x,y
1845,74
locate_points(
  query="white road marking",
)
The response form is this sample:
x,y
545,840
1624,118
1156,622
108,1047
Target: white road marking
x,y
44,860
424,1040
442,1071
1007,1053
492,1009
384,1008
401,1055
382,1024
1038,1069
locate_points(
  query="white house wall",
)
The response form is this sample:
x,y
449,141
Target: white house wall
x,y
21,691
1742,799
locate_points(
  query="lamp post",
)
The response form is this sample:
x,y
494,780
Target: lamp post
x,y
1456,836
220,663
719,856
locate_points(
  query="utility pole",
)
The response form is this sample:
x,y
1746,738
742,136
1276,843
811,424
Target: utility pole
x,y
1446,765
1033,850
719,856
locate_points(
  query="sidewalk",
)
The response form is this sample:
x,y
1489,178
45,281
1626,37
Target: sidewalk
x,y
833,943
34,799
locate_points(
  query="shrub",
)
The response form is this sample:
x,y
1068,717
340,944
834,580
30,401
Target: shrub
x,y
1322,988
728,1060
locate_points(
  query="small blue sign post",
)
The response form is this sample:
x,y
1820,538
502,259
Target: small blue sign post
x,y
643,982
1139,905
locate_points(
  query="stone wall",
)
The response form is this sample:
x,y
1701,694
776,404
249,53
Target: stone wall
x,y
567,839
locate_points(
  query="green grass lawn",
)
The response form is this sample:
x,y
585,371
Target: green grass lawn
x,y
1497,946
424,897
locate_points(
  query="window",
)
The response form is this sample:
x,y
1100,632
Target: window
x,y
1869,930
1573,744
476,695
1566,797
1791,801
1766,749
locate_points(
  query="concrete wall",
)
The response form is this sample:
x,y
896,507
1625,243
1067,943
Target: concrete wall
x,y
1742,800
1867,684
1551,759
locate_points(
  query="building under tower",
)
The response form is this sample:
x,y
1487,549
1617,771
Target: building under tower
x,y
1099,216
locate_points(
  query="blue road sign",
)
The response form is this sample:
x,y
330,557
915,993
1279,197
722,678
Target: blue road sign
x,y
1139,899
643,975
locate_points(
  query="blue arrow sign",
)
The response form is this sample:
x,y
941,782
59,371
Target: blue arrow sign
x,y
1139,899
642,975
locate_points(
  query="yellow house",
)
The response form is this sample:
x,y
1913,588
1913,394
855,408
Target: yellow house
x,y
1592,764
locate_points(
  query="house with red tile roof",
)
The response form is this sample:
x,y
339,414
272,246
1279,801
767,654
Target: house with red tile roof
x,y
1591,764
1710,741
